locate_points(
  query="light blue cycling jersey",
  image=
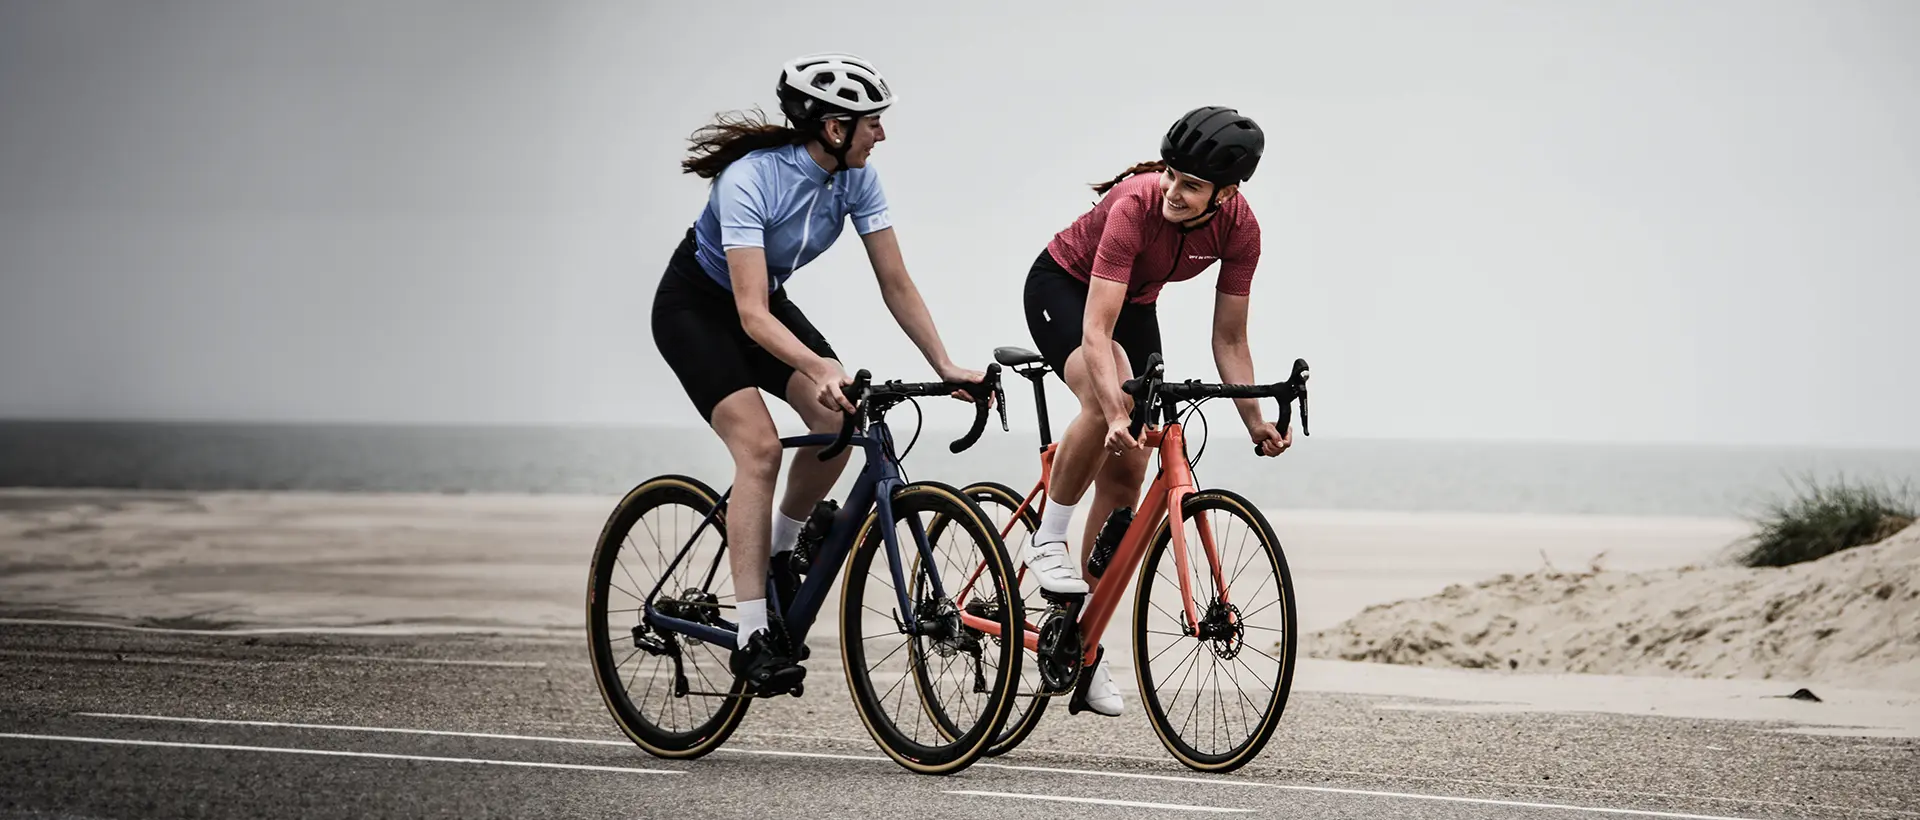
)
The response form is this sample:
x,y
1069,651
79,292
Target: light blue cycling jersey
x,y
779,199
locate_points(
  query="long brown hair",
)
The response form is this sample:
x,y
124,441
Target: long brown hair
x,y
730,136
1148,167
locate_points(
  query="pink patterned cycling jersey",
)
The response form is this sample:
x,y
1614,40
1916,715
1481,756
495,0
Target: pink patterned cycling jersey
x,y
1125,239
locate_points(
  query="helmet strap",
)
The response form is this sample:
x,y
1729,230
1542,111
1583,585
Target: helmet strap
x,y
838,152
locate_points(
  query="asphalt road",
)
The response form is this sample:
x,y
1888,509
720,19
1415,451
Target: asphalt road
x,y
98,722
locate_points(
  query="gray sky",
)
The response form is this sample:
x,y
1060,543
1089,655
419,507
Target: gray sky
x,y
1631,221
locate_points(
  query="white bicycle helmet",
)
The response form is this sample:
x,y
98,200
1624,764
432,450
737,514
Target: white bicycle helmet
x,y
831,86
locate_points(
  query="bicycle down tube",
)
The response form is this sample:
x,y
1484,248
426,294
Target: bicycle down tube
x,y
872,490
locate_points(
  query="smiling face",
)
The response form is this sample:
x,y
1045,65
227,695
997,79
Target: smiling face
x,y
1184,197
867,132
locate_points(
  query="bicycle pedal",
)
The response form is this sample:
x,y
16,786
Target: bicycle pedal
x,y
786,681
1063,599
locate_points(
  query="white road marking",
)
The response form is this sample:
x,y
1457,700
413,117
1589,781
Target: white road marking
x,y
1478,801
136,657
294,630
332,753
1129,803
435,661
1164,778
119,657
273,724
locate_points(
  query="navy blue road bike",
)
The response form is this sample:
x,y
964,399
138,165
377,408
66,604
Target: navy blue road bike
x,y
933,691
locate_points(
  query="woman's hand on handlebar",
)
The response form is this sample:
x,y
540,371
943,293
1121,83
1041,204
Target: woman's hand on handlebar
x,y
1268,440
955,374
1119,438
828,379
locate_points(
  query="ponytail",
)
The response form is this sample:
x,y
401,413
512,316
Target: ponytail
x,y
1153,166
729,137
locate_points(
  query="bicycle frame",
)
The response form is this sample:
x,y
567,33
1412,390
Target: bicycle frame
x,y
879,478
1169,491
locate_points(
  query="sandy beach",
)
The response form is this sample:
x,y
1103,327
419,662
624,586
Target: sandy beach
x,y
414,564
337,560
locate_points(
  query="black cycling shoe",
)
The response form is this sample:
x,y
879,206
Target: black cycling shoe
x,y
766,665
813,533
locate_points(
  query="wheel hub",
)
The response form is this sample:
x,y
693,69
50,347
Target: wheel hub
x,y
1223,629
939,622
692,604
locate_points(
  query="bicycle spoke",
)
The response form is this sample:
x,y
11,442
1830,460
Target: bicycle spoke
x,y
1192,656
659,547
896,651
1178,619
1244,701
1251,557
623,589
1256,676
1263,586
1261,654
623,661
1245,615
1241,548
1195,712
1156,655
621,561
1215,723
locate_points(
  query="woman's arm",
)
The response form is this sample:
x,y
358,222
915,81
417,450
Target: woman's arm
x,y
908,308
1234,359
748,269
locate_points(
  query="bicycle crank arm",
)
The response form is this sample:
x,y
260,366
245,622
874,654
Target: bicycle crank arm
x,y
1078,703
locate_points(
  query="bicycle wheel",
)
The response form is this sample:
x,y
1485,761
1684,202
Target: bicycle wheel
x,y
1214,690
893,675
1016,527
633,663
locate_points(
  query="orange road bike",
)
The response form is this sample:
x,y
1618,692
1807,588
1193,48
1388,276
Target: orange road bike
x,y
1214,628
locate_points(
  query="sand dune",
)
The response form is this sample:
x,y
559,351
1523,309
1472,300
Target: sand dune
x,y
1851,619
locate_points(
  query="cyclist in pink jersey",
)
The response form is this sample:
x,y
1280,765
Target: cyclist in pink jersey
x,y
1090,306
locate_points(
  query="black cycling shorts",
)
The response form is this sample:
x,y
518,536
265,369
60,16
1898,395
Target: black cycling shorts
x,y
697,329
1056,307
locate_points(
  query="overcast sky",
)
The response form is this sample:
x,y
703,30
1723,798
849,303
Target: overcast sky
x,y
1623,221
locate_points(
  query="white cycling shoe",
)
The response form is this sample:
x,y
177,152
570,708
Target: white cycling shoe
x,y
1103,697
1056,571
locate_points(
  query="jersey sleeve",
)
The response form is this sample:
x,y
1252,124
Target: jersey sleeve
x,y
1241,255
869,201
741,204
1119,242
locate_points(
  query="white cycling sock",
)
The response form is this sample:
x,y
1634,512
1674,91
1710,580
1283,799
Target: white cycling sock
x,y
1054,522
786,532
753,618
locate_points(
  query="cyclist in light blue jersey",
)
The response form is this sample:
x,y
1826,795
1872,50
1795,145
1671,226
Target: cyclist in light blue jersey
x,y
722,318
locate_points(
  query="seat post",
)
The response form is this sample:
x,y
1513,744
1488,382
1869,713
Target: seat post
x,y
1038,375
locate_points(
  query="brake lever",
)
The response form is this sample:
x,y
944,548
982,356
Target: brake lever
x,y
1298,380
1300,375
1000,401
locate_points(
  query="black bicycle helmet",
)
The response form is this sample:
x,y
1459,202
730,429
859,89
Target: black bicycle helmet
x,y
1214,143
